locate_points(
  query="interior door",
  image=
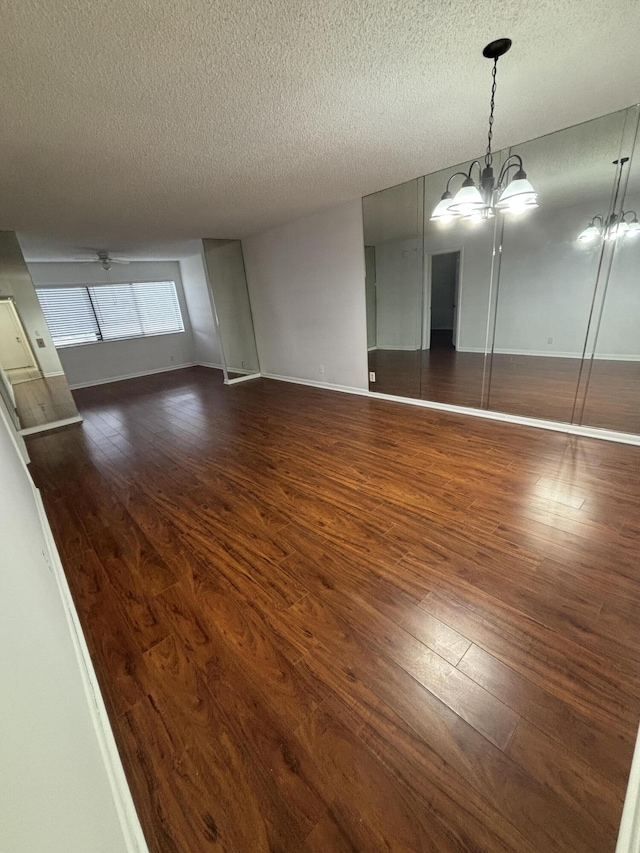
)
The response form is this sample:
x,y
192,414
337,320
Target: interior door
x,y
14,350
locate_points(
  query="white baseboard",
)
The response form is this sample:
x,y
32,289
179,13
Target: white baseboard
x,y
54,373
327,386
601,356
129,821
546,354
76,419
151,372
629,832
555,426
124,377
399,349
242,370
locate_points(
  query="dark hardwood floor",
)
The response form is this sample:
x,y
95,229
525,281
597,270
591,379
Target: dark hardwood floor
x,y
330,623
532,386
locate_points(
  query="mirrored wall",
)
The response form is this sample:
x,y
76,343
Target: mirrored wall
x,y
533,312
224,264
33,386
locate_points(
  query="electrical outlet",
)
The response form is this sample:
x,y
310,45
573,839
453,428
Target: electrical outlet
x,y
549,340
244,364
372,376
322,369
171,358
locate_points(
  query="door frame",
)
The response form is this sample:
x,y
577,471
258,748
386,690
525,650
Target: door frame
x,y
25,340
426,310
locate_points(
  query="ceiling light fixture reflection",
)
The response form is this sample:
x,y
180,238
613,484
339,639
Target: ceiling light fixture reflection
x,y
613,227
511,193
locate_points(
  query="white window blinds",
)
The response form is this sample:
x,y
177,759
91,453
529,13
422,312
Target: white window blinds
x,y
69,315
110,311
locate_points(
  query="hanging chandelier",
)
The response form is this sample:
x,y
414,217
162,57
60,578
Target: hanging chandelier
x,y
613,227
511,193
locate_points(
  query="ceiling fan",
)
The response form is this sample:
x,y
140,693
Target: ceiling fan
x,y
104,259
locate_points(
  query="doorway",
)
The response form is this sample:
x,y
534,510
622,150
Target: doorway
x,y
441,316
16,356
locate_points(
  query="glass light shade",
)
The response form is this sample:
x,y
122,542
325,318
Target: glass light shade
x,y
634,228
467,201
518,196
442,211
623,228
590,233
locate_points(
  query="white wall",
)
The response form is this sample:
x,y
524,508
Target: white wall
x,y
206,342
15,281
307,288
547,281
105,360
399,294
55,793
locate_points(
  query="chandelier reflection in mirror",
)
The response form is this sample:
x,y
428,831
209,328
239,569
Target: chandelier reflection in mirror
x,y
613,227
511,193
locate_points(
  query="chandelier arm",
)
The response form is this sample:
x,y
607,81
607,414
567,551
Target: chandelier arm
x,y
627,213
509,165
455,175
475,163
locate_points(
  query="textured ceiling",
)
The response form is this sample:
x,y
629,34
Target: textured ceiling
x,y
161,120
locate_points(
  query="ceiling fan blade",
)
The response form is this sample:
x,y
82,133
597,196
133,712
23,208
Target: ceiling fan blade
x,y
119,261
86,260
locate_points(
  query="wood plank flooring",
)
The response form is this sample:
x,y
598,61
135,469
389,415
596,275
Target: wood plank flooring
x,y
532,386
330,623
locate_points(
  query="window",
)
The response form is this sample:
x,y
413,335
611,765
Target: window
x,y
109,312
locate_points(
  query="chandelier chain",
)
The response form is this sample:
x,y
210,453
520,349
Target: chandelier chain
x,y
488,158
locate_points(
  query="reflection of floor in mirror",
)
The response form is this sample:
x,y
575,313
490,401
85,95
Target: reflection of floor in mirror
x,y
613,400
42,401
533,386
23,374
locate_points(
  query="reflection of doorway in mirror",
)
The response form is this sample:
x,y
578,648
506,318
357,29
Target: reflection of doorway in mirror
x,y
441,316
16,356
370,286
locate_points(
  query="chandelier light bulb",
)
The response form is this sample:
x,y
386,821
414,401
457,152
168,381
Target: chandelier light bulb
x,y
442,211
634,228
468,200
590,233
518,195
